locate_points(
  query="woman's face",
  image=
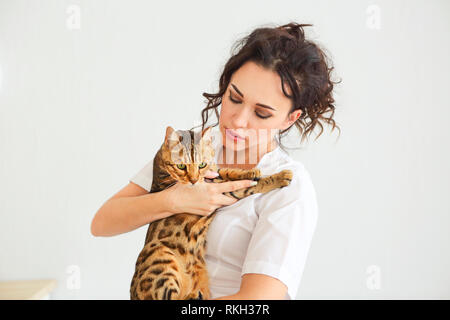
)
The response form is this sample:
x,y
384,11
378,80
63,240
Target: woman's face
x,y
255,108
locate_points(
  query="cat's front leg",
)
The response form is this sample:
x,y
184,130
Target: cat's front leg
x,y
265,184
233,174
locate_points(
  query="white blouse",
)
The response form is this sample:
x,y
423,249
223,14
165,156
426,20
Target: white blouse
x,y
267,233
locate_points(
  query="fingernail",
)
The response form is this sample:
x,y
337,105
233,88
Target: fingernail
x,y
253,183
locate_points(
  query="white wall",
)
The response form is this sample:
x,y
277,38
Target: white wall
x,y
81,111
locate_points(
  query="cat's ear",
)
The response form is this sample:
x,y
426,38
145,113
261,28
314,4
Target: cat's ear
x,y
207,135
172,137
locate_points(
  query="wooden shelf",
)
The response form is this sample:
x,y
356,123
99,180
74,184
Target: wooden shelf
x,y
26,289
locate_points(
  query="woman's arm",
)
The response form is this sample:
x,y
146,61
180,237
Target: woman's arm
x,y
133,207
256,286
129,209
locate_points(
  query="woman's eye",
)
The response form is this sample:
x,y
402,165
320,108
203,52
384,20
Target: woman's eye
x,y
261,116
181,166
232,100
257,114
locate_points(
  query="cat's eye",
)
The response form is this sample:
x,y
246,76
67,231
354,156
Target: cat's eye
x,y
202,165
181,166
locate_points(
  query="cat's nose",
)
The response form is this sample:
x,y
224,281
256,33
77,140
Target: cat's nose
x,y
193,181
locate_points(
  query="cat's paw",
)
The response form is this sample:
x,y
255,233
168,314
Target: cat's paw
x,y
254,174
195,296
284,178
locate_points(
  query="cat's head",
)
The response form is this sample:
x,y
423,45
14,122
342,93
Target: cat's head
x,y
188,155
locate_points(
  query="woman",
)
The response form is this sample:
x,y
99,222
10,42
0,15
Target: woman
x,y
257,246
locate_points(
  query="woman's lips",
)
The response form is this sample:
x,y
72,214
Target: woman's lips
x,y
233,135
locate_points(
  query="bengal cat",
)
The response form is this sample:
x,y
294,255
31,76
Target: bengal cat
x,y
171,266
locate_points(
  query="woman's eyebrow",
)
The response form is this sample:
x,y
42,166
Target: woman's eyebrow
x,y
259,104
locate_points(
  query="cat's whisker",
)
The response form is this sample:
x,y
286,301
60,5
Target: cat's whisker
x,y
172,184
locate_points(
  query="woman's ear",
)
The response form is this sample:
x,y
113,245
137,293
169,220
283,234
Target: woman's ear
x,y
293,116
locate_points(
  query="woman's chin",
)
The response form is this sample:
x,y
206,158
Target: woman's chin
x,y
231,145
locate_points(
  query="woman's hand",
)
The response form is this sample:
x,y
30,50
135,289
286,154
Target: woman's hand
x,y
202,198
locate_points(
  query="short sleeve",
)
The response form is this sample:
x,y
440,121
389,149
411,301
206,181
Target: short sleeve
x,y
280,241
144,177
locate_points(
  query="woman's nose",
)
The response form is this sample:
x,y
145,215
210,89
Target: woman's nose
x,y
240,118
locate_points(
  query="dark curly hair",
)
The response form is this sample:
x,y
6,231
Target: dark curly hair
x,y
299,62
